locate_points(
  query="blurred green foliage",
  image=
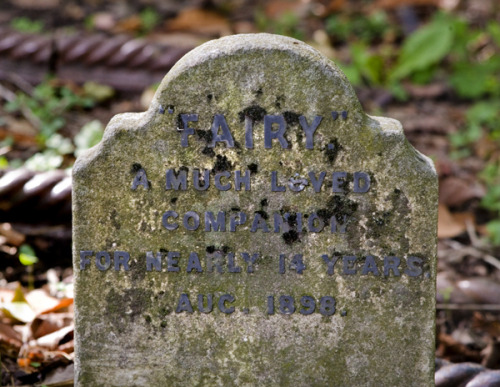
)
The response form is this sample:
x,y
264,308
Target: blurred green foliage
x,y
47,104
24,24
287,24
90,135
150,18
367,28
27,255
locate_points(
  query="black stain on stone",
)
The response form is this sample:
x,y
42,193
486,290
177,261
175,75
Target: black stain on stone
x,y
255,112
237,209
279,100
128,304
290,237
292,221
208,151
339,206
137,274
173,200
222,249
254,168
136,167
396,218
222,164
163,250
332,150
258,93
345,183
210,97
382,218
180,124
291,118
114,219
204,135
263,214
264,202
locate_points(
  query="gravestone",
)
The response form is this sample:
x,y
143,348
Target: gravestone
x,y
254,227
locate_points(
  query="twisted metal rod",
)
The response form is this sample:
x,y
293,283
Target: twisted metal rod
x,y
121,61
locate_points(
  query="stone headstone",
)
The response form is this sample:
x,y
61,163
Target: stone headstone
x,y
254,227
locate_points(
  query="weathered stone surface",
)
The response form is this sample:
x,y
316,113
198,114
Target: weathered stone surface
x,y
134,327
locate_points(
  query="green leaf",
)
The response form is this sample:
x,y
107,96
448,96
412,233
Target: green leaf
x,y
4,163
424,48
98,92
27,255
23,24
90,134
60,144
149,19
46,161
493,228
484,112
352,74
494,30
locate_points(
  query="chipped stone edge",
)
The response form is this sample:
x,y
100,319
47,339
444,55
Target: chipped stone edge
x,y
391,127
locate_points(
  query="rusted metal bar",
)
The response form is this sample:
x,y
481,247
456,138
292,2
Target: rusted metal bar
x,y
123,62
29,196
465,374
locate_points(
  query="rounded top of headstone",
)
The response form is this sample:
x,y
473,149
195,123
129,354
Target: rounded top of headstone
x,y
242,54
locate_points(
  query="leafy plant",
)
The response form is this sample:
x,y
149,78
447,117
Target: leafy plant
x,y
286,24
90,134
27,255
47,104
58,146
366,28
149,19
483,123
424,48
28,258
24,24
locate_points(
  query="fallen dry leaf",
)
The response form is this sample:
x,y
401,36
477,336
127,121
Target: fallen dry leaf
x,y
47,323
131,24
451,349
454,192
201,21
18,308
452,224
277,8
10,340
54,339
43,303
